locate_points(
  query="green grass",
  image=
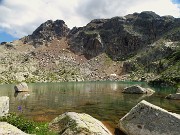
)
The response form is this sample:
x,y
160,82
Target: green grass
x,y
26,125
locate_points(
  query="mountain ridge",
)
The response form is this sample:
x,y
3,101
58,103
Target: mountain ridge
x,y
138,46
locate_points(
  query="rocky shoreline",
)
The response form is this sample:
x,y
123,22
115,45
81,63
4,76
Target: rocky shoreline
x,y
144,118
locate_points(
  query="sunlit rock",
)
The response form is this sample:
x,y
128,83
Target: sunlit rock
x,y
8,129
4,105
72,123
21,87
148,119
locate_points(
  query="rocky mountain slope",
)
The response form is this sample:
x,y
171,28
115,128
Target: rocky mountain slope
x,y
140,46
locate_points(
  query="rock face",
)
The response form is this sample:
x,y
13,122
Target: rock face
x,y
22,87
139,46
120,37
46,32
72,123
136,89
8,129
148,119
4,106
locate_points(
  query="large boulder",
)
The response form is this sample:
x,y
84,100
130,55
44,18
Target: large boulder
x,y
4,105
22,87
174,96
8,129
136,89
148,119
72,123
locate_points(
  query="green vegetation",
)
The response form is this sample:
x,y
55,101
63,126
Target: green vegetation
x,y
27,126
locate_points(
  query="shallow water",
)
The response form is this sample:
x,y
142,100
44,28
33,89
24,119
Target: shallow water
x,y
102,100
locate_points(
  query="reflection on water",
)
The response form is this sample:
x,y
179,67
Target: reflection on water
x,y
102,100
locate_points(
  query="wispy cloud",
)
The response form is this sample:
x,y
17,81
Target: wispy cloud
x,y
22,17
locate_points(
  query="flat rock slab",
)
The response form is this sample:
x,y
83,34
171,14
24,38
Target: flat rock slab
x,y
174,96
72,123
8,129
136,89
148,119
22,87
4,105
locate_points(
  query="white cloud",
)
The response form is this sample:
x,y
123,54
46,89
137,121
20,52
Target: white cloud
x,y
22,17
161,7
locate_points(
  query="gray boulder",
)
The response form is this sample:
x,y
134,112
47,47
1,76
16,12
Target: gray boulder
x,y
4,105
8,129
136,89
174,96
178,90
72,123
148,119
22,87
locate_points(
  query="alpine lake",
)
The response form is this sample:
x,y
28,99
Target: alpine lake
x,y
102,100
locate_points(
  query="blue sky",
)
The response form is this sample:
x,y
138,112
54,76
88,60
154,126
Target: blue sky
x,y
20,18
176,1
6,37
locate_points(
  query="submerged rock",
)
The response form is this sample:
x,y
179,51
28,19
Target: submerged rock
x,y
148,119
4,105
21,87
72,123
174,96
8,129
136,89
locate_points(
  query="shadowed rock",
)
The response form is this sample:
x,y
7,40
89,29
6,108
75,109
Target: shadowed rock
x,y
174,96
148,119
72,123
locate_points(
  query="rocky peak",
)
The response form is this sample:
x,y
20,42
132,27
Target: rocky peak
x,y
46,32
148,15
122,37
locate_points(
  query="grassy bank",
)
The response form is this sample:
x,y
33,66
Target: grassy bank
x,y
26,125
